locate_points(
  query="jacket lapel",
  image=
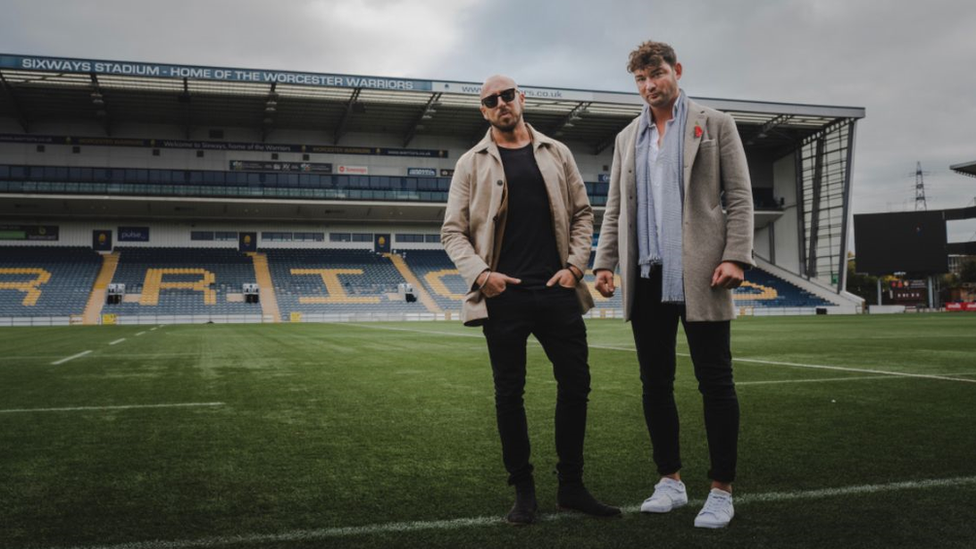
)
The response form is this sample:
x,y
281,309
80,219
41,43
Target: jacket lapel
x,y
696,119
628,175
497,205
488,146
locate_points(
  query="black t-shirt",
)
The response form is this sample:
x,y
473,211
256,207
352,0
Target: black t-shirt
x,y
529,244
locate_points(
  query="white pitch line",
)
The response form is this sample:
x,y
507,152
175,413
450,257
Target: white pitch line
x,y
99,408
848,378
117,341
824,379
72,357
843,369
460,523
139,334
752,360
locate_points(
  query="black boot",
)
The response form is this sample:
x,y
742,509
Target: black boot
x,y
523,512
574,496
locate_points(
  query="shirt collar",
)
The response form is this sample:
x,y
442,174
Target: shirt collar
x,y
538,139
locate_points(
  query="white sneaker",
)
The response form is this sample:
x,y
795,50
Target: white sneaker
x,y
668,494
717,512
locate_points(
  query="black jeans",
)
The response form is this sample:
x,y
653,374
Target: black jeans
x,y
655,326
553,316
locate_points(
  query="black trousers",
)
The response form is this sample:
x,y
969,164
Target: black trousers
x,y
553,316
655,327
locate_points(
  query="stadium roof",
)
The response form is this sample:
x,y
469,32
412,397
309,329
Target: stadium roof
x,y
966,168
47,89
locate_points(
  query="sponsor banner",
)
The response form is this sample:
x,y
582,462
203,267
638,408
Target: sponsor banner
x,y
447,172
530,93
971,307
425,172
374,151
258,166
352,170
603,178
215,145
28,232
133,234
226,74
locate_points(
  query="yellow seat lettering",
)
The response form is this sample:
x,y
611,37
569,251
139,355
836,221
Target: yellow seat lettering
x,y
337,294
435,279
765,292
153,284
29,287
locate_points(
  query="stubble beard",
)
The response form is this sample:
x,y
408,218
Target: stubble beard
x,y
507,127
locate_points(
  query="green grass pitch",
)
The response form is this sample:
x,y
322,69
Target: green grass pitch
x,y
383,435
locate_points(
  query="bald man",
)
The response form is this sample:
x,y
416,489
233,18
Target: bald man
x,y
518,225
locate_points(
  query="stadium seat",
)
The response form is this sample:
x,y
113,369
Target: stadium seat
x,y
46,280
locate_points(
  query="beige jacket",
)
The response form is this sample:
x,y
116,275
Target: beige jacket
x,y
714,161
474,221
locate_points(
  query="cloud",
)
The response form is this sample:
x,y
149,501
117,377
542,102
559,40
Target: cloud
x,y
908,64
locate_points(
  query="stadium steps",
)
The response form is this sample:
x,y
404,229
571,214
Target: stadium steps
x,y
96,300
812,287
269,303
418,288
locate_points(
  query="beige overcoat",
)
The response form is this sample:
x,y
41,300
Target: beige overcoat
x,y
474,219
714,161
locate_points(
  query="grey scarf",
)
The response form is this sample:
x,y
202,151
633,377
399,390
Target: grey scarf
x,y
662,249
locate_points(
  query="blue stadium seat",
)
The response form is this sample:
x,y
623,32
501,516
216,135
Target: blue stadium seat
x,y
177,281
362,281
46,280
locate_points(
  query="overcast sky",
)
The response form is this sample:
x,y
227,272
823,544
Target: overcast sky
x,y
912,65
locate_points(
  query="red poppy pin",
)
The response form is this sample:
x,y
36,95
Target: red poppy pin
x,y
698,130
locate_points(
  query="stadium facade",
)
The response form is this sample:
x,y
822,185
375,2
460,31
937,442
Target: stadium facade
x,y
171,173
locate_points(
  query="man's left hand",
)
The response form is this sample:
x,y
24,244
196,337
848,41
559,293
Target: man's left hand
x,y
728,275
563,277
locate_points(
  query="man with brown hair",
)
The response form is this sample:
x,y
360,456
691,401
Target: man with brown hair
x,y
518,225
680,255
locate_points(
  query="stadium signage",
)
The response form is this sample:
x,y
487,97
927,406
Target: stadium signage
x,y
228,74
531,93
153,70
216,145
603,178
447,172
427,172
301,167
133,234
353,170
28,232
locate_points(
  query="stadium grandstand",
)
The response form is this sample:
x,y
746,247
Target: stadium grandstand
x,y
178,189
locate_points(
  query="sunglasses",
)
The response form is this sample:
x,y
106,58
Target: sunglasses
x,y
492,100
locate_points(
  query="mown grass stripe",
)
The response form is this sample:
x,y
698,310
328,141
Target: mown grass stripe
x,y
750,360
100,408
457,524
